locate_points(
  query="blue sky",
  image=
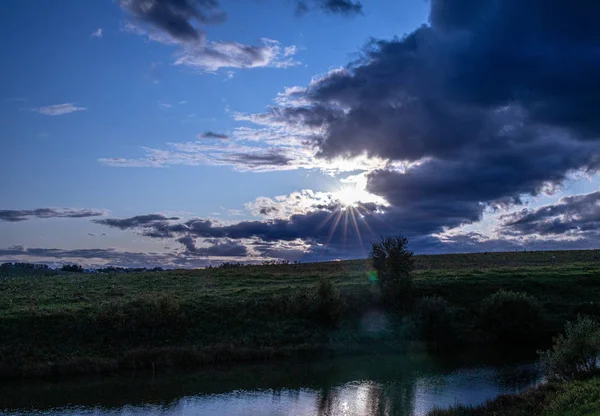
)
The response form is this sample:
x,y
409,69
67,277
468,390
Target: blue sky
x,y
104,108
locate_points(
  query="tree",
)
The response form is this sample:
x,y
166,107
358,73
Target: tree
x,y
394,264
72,268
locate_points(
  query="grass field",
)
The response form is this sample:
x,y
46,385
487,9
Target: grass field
x,y
54,323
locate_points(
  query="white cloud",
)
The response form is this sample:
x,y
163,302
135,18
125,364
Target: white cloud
x,y
211,56
284,206
154,36
59,109
97,33
289,50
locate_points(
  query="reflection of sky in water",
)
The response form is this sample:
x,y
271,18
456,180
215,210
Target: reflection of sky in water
x,y
410,397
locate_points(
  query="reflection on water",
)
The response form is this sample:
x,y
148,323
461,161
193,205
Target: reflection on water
x,y
408,384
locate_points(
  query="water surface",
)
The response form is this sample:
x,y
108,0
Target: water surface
x,y
404,384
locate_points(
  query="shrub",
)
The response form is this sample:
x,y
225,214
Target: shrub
x,y
328,304
394,264
436,320
574,353
512,316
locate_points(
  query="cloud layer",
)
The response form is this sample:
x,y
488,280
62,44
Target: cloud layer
x,y
25,214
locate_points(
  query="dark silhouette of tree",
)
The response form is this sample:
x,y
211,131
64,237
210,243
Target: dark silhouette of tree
x,y
393,263
72,268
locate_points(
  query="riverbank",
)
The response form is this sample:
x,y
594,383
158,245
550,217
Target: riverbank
x,y
574,398
73,323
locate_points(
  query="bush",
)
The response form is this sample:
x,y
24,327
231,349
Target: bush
x,y
512,317
574,353
394,264
328,304
436,321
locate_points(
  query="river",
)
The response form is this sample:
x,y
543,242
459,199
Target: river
x,y
408,384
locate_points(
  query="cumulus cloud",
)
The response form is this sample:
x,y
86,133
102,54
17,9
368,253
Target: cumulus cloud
x,y
576,215
97,33
283,206
26,214
59,109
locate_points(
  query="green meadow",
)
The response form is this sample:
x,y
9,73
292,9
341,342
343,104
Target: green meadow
x,y
54,323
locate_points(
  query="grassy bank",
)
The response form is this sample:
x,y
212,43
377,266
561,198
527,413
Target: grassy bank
x,y
63,323
575,398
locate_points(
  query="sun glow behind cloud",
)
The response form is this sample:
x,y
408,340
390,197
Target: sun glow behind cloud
x,y
353,191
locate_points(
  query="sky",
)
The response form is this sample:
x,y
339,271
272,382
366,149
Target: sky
x,y
183,133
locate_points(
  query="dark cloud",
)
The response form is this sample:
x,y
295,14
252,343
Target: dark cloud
x,y
268,210
269,158
24,214
97,257
348,230
135,222
219,248
573,215
344,7
448,193
180,19
114,257
176,17
488,102
60,253
213,135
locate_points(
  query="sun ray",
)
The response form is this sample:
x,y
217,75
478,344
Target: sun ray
x,y
326,220
346,224
353,218
334,225
362,218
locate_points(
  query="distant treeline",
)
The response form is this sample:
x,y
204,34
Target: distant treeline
x,y
76,268
27,266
